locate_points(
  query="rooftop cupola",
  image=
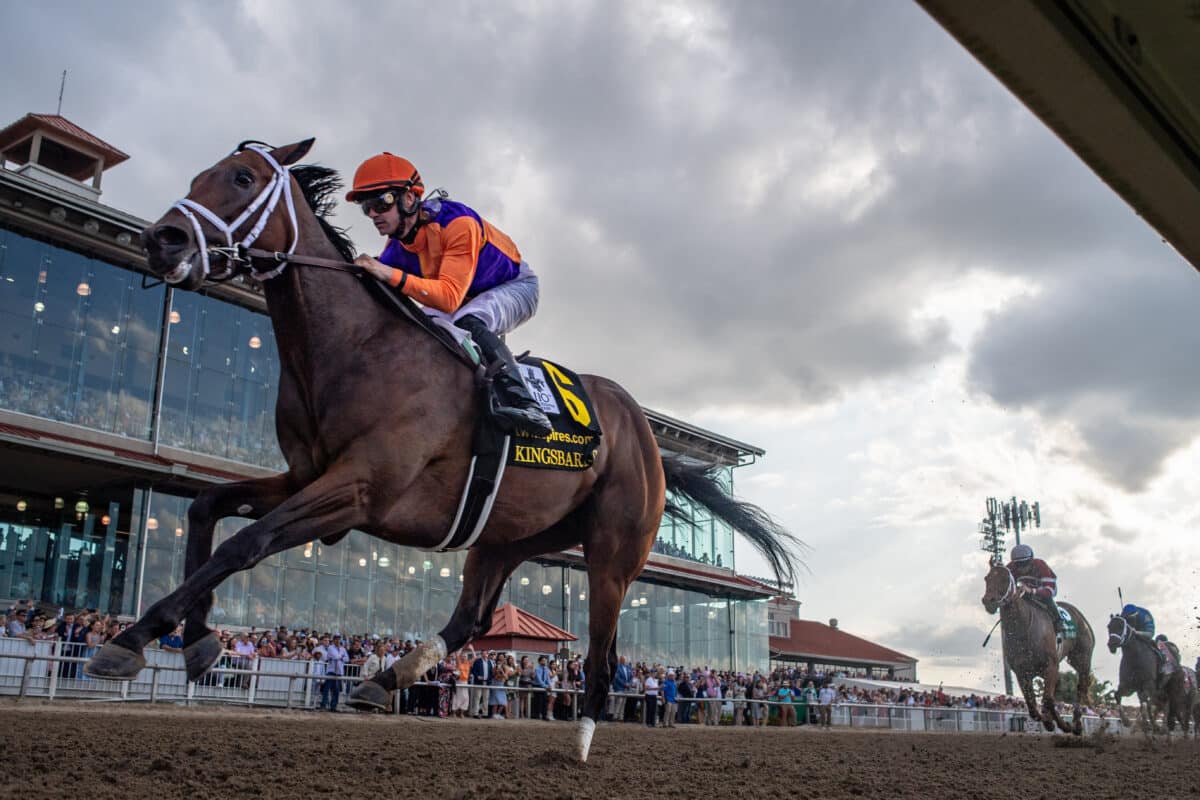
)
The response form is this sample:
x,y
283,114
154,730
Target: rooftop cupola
x,y
51,149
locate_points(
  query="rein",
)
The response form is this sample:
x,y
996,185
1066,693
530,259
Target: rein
x,y
241,253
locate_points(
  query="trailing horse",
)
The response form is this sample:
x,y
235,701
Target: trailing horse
x,y
1141,673
375,421
1034,650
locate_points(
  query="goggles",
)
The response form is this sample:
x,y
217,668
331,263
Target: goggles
x,y
382,203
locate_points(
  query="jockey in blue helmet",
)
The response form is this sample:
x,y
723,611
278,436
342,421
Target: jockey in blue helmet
x,y
1142,623
1141,620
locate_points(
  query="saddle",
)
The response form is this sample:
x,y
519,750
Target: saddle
x,y
571,445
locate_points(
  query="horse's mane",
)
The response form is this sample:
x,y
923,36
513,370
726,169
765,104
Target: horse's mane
x,y
320,186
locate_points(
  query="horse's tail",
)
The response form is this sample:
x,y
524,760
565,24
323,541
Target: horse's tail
x,y
698,482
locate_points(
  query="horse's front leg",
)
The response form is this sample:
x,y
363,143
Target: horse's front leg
x,y
1081,696
252,499
1146,712
1121,693
335,501
1026,683
1050,715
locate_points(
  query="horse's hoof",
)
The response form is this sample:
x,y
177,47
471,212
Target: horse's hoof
x,y
115,663
369,696
199,656
1048,724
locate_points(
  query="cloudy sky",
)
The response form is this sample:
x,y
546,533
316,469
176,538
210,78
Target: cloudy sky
x,y
822,228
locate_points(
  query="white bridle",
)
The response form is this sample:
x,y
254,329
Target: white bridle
x,y
1126,632
280,185
1007,597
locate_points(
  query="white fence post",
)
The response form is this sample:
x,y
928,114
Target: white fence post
x,y
253,680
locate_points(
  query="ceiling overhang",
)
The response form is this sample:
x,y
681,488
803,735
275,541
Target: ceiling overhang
x,y
1117,80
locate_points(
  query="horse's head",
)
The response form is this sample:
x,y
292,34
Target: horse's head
x,y
999,588
1118,632
232,203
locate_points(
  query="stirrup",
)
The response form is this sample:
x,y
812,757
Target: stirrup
x,y
531,420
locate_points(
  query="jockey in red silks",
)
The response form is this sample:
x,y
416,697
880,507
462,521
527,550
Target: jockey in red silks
x,y
1037,576
458,266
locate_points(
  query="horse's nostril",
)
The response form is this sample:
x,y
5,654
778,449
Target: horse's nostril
x,y
170,236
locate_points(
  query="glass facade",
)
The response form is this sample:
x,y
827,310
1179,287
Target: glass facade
x,y
362,585
80,342
67,551
78,338
221,377
700,537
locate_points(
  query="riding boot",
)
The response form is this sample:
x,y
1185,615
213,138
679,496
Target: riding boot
x,y
1059,625
511,404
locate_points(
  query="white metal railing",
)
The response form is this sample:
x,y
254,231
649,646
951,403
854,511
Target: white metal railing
x,y
52,669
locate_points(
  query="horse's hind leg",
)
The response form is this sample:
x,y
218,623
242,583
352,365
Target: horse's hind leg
x,y
615,549
484,575
252,499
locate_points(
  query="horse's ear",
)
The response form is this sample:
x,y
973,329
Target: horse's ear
x,y
291,153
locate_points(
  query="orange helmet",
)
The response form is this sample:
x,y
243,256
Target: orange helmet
x,y
383,172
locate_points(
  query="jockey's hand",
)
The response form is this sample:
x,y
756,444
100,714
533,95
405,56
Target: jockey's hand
x,y
374,266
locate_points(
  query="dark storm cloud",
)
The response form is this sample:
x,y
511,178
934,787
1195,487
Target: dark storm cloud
x,y
748,198
1110,348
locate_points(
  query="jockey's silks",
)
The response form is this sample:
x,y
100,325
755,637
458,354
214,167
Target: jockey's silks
x,y
1039,572
454,256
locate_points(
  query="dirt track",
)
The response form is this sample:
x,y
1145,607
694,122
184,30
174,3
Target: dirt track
x,y
94,752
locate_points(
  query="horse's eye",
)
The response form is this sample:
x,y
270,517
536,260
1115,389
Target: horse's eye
x,y
243,178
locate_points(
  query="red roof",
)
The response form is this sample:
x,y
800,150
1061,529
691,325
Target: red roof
x,y
818,640
64,129
508,620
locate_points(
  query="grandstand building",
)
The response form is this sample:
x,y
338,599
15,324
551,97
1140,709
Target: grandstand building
x,y
823,648
121,398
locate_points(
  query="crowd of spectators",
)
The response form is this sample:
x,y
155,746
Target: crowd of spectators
x,y
486,683
210,430
668,548
81,632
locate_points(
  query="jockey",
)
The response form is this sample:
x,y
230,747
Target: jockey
x,y
1036,575
1141,620
1142,623
459,266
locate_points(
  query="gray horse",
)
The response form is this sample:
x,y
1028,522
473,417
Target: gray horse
x,y
1141,673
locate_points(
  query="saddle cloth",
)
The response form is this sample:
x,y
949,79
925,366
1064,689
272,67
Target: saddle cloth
x,y
1069,632
570,446
560,393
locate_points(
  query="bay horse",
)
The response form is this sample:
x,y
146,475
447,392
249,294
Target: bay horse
x,y
1141,673
375,419
1032,647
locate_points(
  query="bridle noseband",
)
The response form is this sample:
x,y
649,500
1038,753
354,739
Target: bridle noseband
x,y
1123,637
1008,596
279,186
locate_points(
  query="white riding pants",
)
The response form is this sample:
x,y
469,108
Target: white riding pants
x,y
501,308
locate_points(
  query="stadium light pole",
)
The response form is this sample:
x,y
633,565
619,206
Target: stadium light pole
x,y
1015,517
